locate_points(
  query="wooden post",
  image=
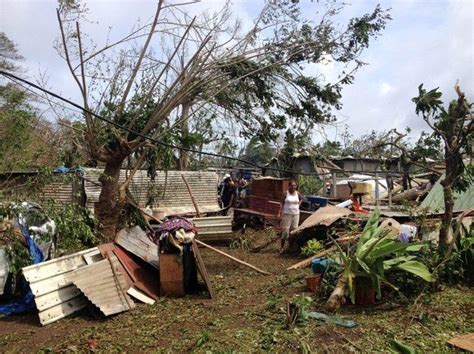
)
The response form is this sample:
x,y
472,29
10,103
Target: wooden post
x,y
334,183
377,194
192,196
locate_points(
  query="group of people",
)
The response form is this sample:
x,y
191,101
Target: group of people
x,y
233,193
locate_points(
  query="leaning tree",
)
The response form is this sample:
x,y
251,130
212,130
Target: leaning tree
x,y
164,74
455,127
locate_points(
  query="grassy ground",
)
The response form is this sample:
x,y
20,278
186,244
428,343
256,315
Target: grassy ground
x,y
248,315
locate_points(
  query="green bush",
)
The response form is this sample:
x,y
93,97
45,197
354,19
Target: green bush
x,y
311,248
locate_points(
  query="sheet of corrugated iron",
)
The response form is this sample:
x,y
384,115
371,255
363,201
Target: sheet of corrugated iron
x,y
213,225
59,192
103,287
55,296
136,241
173,199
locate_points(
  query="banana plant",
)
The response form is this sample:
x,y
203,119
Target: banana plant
x,y
377,253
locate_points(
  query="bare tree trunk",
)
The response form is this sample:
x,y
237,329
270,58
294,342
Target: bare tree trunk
x,y
110,205
337,298
183,160
447,218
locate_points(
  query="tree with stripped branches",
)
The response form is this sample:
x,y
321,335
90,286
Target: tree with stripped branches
x,y
158,79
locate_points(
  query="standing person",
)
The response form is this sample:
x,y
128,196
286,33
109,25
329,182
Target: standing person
x,y
291,202
228,195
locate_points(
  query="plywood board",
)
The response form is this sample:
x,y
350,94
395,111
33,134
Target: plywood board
x,y
465,342
202,270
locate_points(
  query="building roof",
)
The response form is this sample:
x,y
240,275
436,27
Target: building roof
x,y
434,201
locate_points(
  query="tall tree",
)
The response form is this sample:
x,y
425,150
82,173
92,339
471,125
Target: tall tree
x,y
254,79
455,126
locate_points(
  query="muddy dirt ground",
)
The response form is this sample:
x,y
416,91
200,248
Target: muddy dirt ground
x,y
248,315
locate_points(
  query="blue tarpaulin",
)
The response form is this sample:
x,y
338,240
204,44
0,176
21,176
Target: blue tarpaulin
x,y
27,301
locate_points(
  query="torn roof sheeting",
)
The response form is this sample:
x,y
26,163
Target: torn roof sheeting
x,y
55,296
168,188
323,216
434,201
103,286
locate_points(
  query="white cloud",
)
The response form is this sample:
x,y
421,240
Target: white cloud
x,y
385,88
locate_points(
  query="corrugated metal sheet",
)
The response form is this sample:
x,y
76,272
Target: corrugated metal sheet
x,y
55,296
103,287
434,201
137,242
214,225
58,191
174,199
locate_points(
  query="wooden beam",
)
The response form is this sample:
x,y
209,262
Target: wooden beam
x,y
231,257
307,261
192,196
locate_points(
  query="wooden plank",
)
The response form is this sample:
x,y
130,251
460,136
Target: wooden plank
x,y
140,296
171,275
137,242
306,262
231,257
465,342
202,270
145,279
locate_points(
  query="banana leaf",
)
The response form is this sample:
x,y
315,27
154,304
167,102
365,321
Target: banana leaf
x,y
388,248
369,229
389,263
417,268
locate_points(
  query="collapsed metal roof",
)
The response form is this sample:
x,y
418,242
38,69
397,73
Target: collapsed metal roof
x,y
434,201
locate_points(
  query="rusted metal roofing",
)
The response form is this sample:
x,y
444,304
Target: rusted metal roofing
x,y
55,296
323,216
103,285
168,190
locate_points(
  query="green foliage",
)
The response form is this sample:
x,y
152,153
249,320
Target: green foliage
x,y
203,339
267,82
312,247
399,347
297,310
376,254
309,184
9,55
273,301
75,230
257,151
455,126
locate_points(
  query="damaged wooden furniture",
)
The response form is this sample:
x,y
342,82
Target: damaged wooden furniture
x,y
263,209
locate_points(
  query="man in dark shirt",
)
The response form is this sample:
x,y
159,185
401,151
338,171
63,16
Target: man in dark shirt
x,y
228,195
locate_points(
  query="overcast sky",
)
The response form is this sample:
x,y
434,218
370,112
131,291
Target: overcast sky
x,y
428,42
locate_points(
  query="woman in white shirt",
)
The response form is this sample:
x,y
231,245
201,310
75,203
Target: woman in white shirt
x,y
291,202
